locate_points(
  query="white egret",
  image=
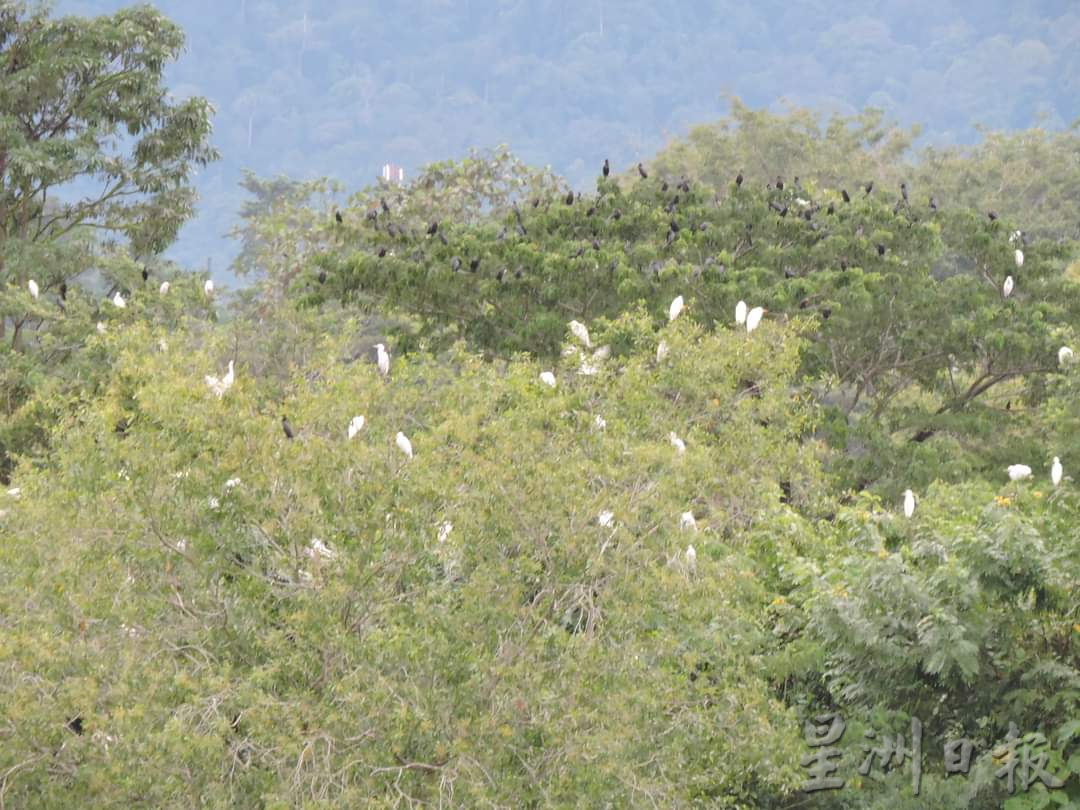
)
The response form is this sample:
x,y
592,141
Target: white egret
x,y
1007,287
355,425
444,530
1019,256
118,300
1065,356
100,328
661,352
675,308
909,503
581,333
232,482
164,288
687,522
404,445
14,492
753,318
219,387
1055,471
547,378
317,548
606,519
32,285
208,287
600,422
213,502
740,313
383,359
677,443
691,558
1018,472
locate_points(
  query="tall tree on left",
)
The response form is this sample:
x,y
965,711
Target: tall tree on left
x,y
96,162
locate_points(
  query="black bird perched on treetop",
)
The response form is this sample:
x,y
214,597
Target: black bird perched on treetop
x,y
674,226
845,195
869,187
896,208
641,170
578,253
663,185
382,252
591,211
607,168
535,203
616,214
830,209
779,183
569,197
992,215
145,274
63,290
474,265
933,203
385,207
903,191
499,275
670,238
337,216
596,244
455,264
286,427
738,180
433,228
880,250
322,276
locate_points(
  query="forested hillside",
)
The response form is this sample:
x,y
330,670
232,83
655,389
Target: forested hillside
x,y
675,489
326,88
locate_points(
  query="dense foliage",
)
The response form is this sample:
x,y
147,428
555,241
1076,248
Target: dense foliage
x,y
584,548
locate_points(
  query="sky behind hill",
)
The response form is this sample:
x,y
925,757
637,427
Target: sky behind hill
x,y
322,87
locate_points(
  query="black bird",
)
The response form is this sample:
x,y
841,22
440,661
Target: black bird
x,y
392,230
933,203
455,264
674,226
145,274
433,228
385,207
616,214
607,169
738,180
903,191
663,185
499,275
382,252
641,170
569,197
896,208
372,215
443,239
596,244
670,238
337,216
63,290
845,195
779,183
521,230
789,273
783,211
830,209
825,313
843,264
286,427
578,254
535,203
869,187
322,276
519,273
992,215
880,250
501,234
591,211
474,265
75,724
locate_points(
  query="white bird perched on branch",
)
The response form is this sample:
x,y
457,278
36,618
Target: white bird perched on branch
x,y
1007,287
100,328
740,313
317,548
676,442
355,425
753,318
606,519
219,387
691,558
1019,256
208,287
118,300
444,530
687,522
1055,471
1018,472
581,333
909,503
1065,356
661,352
403,443
600,422
164,288
33,287
675,308
547,378
382,359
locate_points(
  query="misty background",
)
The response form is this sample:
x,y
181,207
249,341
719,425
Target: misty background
x,y
337,89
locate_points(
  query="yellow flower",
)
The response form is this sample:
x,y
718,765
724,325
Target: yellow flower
x,y
1001,500
1076,628
1037,494
778,601
882,553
